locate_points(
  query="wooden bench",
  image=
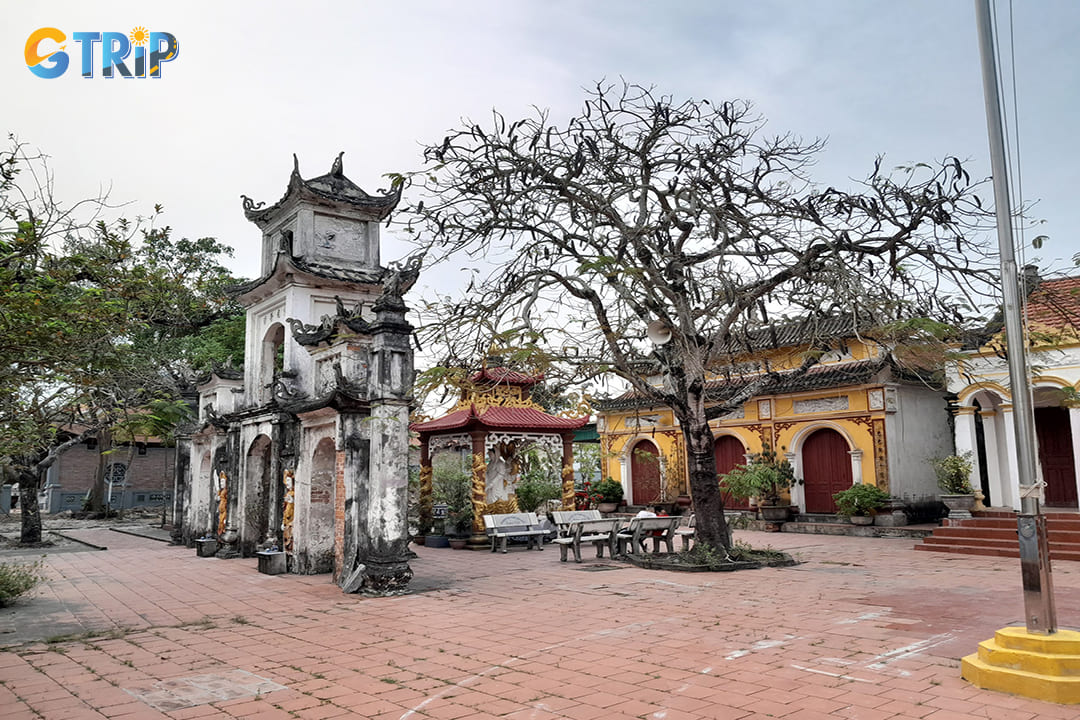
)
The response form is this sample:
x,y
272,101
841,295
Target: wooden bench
x,y
597,531
508,525
564,518
686,531
648,527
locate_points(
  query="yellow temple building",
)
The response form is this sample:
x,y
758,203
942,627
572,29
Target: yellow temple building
x,y
854,417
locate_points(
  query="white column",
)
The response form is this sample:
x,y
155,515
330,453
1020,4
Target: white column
x,y
856,466
964,429
1010,476
624,474
998,485
798,493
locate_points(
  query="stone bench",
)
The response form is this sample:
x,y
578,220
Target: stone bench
x,y
596,531
564,518
507,525
686,531
660,529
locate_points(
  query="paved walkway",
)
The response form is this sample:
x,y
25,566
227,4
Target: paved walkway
x,y
864,628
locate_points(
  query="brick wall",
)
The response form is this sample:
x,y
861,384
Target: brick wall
x,y
152,471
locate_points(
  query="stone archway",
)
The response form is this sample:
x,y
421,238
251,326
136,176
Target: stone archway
x,y
644,473
826,469
255,495
204,523
319,537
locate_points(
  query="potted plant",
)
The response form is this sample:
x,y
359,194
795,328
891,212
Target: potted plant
x,y
452,490
954,477
766,478
607,495
860,503
460,521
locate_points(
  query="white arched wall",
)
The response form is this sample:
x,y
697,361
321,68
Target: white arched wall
x,y
998,436
795,457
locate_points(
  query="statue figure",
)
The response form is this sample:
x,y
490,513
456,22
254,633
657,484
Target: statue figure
x,y
223,502
287,513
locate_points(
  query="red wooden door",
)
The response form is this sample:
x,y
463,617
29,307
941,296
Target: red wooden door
x,y
826,469
645,473
729,452
1056,456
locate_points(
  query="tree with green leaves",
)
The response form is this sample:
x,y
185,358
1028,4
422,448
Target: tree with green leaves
x,y
93,310
643,210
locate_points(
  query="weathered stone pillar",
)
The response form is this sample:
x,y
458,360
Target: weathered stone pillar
x,y
381,502
229,462
182,534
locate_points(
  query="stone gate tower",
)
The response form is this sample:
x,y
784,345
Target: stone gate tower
x,y
309,452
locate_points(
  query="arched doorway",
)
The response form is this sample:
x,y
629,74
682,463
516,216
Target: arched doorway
x,y
320,535
1054,433
826,466
271,360
729,452
256,495
204,519
644,473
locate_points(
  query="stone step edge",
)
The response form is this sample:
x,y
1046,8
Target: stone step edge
x,y
1061,690
1040,663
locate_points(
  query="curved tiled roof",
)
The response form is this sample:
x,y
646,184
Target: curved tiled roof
x,y
333,186
503,418
722,389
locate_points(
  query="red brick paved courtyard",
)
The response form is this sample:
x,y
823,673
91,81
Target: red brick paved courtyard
x,y
863,628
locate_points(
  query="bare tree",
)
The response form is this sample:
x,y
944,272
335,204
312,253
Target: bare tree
x,y
646,209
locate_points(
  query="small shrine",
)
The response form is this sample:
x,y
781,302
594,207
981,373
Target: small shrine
x,y
494,421
305,453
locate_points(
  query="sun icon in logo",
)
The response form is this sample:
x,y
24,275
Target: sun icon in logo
x,y
139,36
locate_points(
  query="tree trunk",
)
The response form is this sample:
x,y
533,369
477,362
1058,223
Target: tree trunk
x,y
710,526
28,505
97,491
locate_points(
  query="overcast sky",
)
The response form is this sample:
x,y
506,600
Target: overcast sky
x,y
255,82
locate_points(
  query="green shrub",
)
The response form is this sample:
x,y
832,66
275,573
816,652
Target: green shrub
x,y
533,492
765,477
17,579
453,486
860,499
609,491
954,473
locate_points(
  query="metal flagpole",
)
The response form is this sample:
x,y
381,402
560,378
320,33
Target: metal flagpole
x,y
1039,611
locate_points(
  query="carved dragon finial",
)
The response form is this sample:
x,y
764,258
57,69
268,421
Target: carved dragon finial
x,y
295,165
337,169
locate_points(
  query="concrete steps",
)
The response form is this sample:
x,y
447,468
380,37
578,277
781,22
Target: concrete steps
x,y
993,533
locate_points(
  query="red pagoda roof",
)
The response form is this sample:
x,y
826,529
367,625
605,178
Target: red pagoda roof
x,y
518,418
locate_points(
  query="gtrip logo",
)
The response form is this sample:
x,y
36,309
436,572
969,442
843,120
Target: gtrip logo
x,y
46,56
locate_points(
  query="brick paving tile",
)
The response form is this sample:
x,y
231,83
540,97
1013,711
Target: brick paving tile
x,y
880,629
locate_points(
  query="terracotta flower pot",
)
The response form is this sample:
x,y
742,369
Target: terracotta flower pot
x,y
458,543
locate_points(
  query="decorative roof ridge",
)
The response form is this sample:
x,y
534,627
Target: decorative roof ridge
x,y
332,186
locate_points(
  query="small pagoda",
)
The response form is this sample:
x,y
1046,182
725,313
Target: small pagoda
x,y
494,421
